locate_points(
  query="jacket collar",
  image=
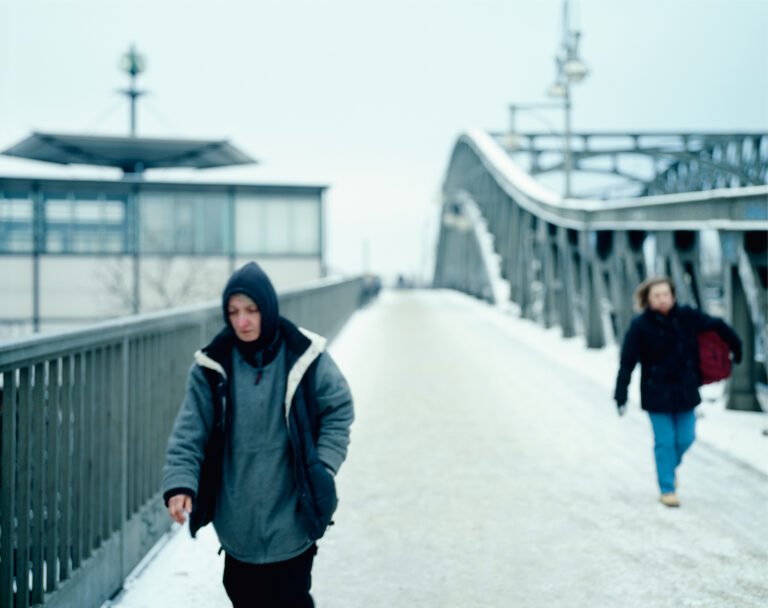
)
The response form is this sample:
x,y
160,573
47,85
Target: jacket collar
x,y
660,318
217,355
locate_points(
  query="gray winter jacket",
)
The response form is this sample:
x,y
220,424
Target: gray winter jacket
x,y
257,515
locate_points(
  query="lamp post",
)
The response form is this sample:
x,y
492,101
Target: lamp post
x,y
514,108
570,69
133,64
514,141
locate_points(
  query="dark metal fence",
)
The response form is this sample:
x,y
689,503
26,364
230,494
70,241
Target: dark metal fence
x,y
84,422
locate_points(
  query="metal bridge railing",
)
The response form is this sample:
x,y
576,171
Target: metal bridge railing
x,y
84,422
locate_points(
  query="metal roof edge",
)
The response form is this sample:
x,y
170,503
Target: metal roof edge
x,y
144,182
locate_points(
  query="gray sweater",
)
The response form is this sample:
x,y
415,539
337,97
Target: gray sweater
x,y
257,518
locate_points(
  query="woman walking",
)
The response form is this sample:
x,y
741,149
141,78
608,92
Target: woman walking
x,y
262,431
663,339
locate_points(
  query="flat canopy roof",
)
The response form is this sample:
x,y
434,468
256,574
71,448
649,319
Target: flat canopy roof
x,y
131,154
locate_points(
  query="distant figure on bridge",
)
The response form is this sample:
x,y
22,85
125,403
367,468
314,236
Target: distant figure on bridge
x,y
262,432
663,339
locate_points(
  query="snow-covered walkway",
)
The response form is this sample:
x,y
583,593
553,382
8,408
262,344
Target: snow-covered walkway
x,y
488,467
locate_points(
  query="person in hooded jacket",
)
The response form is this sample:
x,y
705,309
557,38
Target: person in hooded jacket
x,y
259,437
663,339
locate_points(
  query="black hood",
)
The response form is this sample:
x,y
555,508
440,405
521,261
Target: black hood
x,y
253,282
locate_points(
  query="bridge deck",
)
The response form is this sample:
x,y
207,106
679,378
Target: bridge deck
x,y
486,472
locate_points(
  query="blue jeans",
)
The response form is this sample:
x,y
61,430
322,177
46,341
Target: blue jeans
x,y
673,434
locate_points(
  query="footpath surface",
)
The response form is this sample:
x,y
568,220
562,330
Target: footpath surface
x,y
488,468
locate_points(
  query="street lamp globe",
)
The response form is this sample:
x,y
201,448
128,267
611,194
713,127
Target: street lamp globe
x,y
512,141
556,89
575,70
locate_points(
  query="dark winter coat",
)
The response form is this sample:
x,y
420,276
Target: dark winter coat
x,y
262,430
317,426
666,347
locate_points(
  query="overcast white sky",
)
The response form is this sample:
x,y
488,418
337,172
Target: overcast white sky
x,y
369,97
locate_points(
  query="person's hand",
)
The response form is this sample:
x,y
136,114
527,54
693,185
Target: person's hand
x,y
179,506
621,408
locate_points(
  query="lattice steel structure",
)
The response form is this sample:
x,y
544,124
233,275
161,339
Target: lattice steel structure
x,y
648,163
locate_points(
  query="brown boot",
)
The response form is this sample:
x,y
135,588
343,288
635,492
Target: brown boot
x,y
669,499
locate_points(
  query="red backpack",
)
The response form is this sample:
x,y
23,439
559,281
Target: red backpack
x,y
714,357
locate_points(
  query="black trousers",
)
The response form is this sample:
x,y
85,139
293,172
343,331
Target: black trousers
x,y
276,585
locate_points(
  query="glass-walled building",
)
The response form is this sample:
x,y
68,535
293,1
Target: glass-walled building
x,y
77,251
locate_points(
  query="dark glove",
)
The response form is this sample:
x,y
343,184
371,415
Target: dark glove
x,y
737,355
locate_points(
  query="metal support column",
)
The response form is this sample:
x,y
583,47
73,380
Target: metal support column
x,y
742,394
567,282
590,295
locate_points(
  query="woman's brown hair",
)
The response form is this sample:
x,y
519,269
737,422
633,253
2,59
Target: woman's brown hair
x,y
642,291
